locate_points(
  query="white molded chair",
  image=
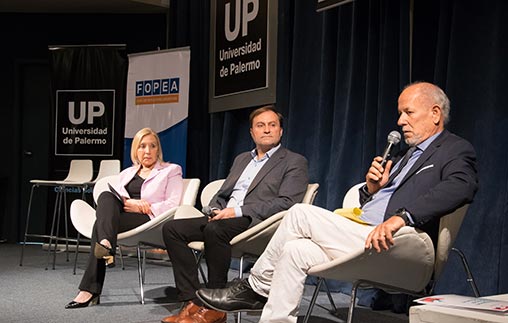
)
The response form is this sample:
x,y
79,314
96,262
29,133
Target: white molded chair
x,y
210,190
147,234
79,175
352,196
253,241
410,266
107,167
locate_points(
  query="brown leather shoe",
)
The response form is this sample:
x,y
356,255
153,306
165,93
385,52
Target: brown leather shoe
x,y
205,315
189,309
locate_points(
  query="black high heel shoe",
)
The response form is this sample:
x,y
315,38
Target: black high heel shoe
x,y
103,252
94,300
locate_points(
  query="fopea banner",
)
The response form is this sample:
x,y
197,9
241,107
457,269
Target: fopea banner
x,y
158,97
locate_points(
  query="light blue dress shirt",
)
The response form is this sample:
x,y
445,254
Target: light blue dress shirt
x,y
374,210
242,185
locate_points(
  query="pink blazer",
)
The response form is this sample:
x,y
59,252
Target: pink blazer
x,y
162,189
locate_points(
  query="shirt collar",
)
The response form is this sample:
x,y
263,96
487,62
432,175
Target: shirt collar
x,y
268,154
426,143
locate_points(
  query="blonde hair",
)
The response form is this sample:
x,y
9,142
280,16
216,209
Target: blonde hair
x,y
137,140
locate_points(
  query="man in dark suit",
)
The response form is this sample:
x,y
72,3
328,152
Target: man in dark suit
x,y
261,182
436,176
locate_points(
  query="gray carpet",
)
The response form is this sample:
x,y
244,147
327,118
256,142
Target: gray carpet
x,y
29,293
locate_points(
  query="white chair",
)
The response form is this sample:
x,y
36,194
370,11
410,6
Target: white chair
x,y
147,234
84,223
80,173
210,190
352,196
107,167
253,241
410,266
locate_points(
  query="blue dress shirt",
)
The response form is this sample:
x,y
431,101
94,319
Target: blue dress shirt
x,y
374,210
242,185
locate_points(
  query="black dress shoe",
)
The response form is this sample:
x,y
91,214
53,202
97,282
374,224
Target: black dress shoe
x,y
238,297
94,300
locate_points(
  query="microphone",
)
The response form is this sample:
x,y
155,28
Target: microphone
x,y
207,210
393,139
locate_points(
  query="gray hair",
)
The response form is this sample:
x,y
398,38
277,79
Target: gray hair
x,y
436,95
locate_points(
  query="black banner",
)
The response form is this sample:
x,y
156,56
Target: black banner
x,y
240,46
84,122
243,53
88,88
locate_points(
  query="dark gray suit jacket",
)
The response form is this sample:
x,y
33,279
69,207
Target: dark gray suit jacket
x,y
443,179
281,183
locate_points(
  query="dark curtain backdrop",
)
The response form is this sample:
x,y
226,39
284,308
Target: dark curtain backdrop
x,y
339,75
462,46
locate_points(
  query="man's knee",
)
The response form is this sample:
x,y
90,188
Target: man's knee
x,y
213,231
169,228
302,252
293,247
297,210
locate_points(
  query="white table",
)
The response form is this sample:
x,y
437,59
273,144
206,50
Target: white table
x,y
441,314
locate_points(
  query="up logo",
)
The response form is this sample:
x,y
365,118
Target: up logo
x,y
245,11
84,107
84,122
87,111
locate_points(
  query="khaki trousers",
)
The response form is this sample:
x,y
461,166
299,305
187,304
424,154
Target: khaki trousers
x,y
307,236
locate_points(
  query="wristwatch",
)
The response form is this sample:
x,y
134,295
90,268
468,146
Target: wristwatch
x,y
402,212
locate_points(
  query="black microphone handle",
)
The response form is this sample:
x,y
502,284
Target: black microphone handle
x,y
386,154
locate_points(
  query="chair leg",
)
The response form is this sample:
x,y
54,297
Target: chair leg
x,y
352,302
121,257
469,275
57,229
240,275
141,291
198,262
76,254
313,299
66,226
330,298
51,235
143,266
26,225
78,236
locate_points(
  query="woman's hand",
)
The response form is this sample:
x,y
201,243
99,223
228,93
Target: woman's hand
x,y
137,206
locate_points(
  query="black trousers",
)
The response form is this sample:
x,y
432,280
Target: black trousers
x,y
111,220
216,236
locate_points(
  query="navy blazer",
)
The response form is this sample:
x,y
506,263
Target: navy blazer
x,y
443,179
281,182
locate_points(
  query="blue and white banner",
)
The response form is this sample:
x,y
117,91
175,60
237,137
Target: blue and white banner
x,y
158,97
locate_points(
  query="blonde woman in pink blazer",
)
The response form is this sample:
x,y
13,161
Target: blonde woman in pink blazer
x,y
147,189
